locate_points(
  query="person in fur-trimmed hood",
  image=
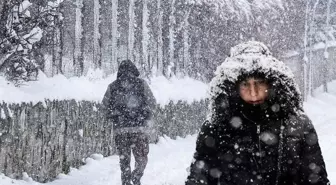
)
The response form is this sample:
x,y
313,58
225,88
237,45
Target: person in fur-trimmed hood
x,y
257,131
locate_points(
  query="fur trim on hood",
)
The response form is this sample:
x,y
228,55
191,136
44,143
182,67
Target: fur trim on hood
x,y
247,59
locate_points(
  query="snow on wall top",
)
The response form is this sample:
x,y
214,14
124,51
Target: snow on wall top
x,y
93,86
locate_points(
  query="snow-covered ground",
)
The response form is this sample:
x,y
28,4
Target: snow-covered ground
x,y
169,159
168,163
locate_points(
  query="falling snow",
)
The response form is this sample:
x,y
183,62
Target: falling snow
x,y
177,46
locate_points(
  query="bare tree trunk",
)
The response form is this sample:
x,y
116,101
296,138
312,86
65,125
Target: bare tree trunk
x,y
96,35
130,30
159,40
311,64
186,45
78,54
114,32
326,54
54,52
305,57
56,45
61,44
172,39
145,37
198,61
82,47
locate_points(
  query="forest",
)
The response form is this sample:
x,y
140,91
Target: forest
x,y
163,37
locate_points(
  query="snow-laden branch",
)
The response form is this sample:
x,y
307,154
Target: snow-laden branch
x,y
243,9
22,31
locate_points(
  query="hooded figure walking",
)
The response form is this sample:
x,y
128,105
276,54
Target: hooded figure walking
x,y
257,131
129,105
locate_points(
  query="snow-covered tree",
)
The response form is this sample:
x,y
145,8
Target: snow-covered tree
x,y
320,33
23,29
182,37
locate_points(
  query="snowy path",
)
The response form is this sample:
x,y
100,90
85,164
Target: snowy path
x,y
168,163
169,159
322,111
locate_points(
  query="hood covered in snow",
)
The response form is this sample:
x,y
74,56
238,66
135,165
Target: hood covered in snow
x,y
248,59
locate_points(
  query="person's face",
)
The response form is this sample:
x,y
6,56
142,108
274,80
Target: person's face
x,y
253,90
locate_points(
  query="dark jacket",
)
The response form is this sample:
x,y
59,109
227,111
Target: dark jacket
x,y
128,101
271,144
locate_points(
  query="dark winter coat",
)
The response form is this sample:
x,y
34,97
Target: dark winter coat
x,y
128,101
271,144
